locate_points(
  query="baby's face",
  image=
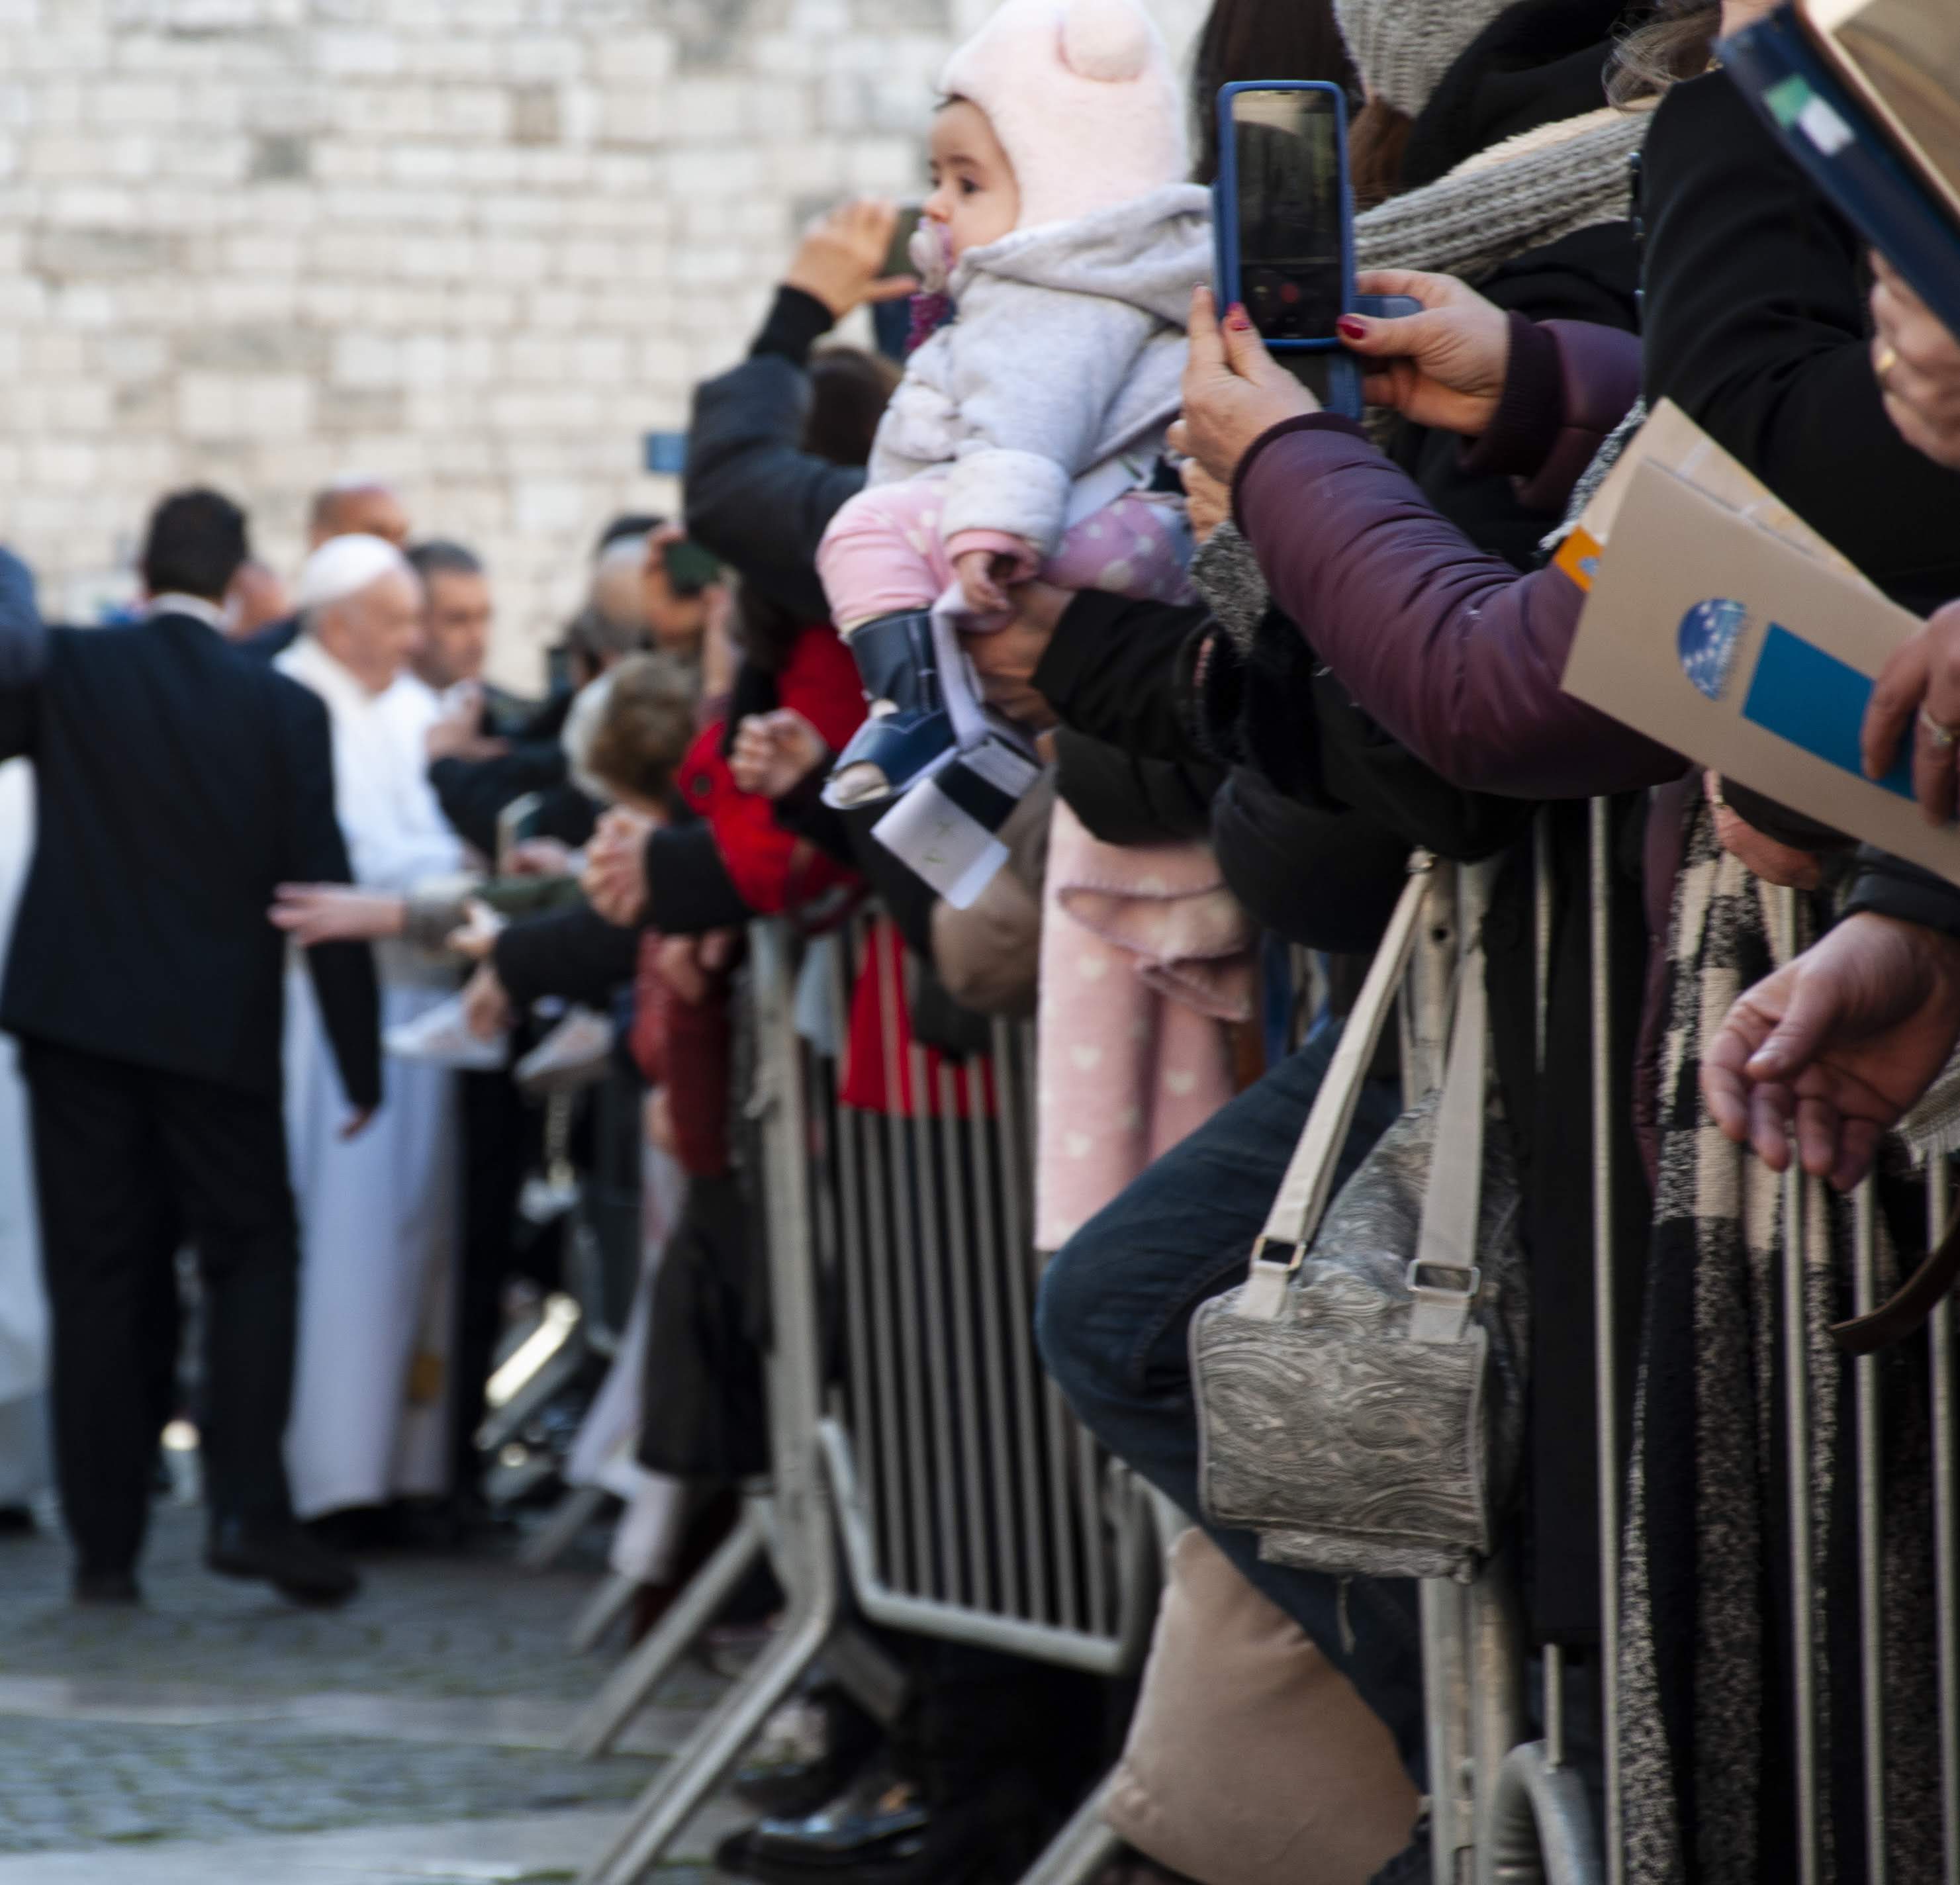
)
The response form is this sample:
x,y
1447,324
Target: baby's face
x,y
973,196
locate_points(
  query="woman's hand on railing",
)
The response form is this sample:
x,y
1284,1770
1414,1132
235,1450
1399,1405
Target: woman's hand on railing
x,y
1918,697
1234,391
1841,1043
1444,367
1917,363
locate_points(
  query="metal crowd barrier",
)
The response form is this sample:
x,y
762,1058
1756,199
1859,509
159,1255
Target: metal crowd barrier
x,y
942,1483
927,1477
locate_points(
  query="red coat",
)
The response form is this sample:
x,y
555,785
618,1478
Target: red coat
x,y
772,870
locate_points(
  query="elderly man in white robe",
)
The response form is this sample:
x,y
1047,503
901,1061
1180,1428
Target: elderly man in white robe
x,y
379,1210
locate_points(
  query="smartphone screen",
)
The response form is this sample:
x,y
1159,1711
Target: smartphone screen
x,y
1287,147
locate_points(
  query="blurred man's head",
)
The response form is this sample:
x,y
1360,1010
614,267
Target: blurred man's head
x,y
357,505
195,541
456,614
256,597
363,604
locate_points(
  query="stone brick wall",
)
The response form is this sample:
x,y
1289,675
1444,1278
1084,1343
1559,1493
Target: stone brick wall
x,y
479,246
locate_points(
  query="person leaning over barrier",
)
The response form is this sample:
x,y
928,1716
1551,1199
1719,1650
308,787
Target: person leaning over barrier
x,y
1831,1052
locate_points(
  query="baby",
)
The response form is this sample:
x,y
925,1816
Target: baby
x,y
1025,433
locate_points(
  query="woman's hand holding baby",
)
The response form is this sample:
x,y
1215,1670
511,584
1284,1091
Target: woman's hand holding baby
x,y
773,753
1234,391
1443,367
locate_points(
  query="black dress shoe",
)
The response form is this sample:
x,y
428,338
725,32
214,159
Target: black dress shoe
x,y
283,1555
880,1831
821,1751
107,1587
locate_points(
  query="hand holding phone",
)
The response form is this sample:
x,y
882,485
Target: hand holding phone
x,y
1234,389
1440,359
844,261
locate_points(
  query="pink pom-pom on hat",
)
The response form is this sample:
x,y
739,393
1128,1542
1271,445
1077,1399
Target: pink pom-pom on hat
x,y
1083,95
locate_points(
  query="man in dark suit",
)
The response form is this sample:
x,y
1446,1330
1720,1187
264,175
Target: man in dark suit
x,y
178,783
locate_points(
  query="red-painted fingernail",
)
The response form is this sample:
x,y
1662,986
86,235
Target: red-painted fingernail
x,y
1351,327
1238,317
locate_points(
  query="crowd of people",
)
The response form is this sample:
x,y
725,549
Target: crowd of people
x,y
1249,656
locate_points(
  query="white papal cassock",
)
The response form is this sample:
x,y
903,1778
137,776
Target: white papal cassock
x,y
378,1213
23,1316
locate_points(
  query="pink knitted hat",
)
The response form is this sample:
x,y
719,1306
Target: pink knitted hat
x,y
1082,95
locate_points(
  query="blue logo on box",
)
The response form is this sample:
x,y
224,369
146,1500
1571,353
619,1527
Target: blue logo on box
x,y
1706,642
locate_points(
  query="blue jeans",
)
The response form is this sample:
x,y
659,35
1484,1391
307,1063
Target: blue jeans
x,y
1114,1322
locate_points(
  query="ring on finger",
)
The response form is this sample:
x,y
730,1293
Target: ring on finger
x,y
1942,738
1887,358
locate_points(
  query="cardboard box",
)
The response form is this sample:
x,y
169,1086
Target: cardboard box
x,y
1714,634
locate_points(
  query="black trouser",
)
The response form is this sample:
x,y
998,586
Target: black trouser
x,y
122,1154
496,1129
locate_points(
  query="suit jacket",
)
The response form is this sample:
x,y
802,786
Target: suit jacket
x,y
178,783
268,644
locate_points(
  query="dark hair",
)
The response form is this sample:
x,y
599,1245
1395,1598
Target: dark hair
x,y
1675,44
195,541
440,558
645,726
1245,39
631,523
1378,141
849,390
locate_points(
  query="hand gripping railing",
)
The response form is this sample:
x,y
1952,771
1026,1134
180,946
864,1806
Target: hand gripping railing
x,y
940,1473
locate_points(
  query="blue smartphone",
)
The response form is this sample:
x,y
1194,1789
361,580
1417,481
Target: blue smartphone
x,y
1283,212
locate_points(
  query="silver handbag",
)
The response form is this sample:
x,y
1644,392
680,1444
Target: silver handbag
x,y
1361,1395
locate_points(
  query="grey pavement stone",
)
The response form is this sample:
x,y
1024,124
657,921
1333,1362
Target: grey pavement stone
x,y
135,1745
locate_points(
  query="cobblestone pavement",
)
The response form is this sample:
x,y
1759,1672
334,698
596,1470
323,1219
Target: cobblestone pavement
x,y
219,1714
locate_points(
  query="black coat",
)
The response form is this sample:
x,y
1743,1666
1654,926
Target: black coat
x,y
178,783
1757,325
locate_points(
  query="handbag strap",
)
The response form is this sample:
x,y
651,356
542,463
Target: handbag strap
x,y
1906,1312
1281,1247
1444,1277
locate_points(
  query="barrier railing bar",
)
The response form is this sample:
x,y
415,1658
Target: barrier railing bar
x,y
994,1258
1796,1427
911,1438
931,1339
875,1137
1945,1525
957,1130
952,1623
1606,1402
1095,1556
1014,1200
856,1261
1871,1589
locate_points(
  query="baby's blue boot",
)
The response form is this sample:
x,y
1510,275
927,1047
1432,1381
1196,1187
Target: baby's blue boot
x,y
909,727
